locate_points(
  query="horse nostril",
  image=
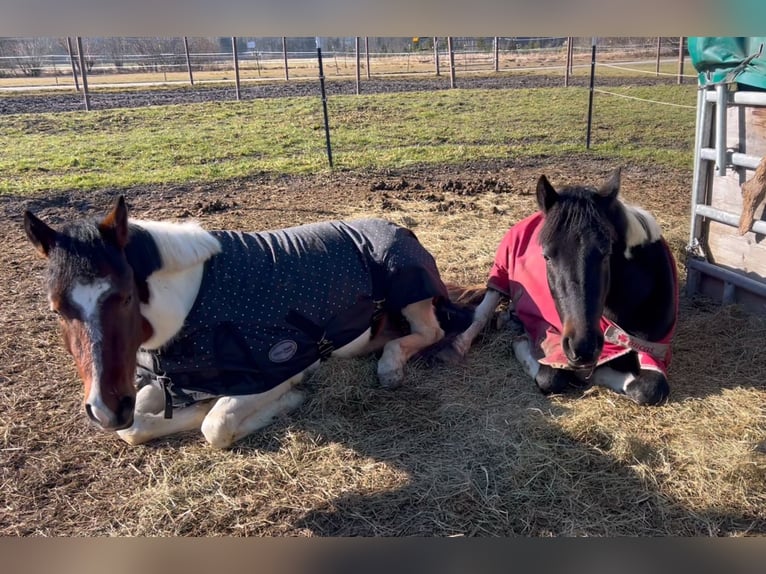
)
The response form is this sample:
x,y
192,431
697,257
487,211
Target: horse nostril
x,y
91,416
566,344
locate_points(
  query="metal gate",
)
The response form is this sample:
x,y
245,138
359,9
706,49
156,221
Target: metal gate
x,y
729,144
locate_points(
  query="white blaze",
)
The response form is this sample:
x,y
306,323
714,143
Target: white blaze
x,y
87,298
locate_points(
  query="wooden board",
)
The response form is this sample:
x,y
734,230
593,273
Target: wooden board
x,y
746,133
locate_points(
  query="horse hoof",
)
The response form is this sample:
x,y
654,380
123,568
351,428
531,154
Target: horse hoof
x,y
648,391
392,379
553,381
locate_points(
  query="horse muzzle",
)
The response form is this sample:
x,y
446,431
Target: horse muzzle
x,y
583,354
107,420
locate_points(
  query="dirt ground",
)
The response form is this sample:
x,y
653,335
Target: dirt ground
x,y
467,450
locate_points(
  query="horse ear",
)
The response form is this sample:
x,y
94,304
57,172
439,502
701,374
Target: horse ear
x,y
114,227
611,187
42,236
546,195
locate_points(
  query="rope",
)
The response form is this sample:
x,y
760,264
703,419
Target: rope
x,y
645,71
645,100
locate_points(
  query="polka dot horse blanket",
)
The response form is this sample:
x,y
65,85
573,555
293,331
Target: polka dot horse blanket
x,y
519,273
273,303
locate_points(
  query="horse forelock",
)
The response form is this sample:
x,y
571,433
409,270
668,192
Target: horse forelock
x,y
179,245
576,214
81,255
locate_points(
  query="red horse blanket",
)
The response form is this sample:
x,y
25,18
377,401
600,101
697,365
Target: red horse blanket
x,y
519,273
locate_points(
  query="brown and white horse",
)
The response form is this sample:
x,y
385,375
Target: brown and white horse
x,y
124,288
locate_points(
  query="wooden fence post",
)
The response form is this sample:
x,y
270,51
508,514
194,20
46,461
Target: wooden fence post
x,y
81,57
236,64
188,60
284,56
74,66
451,62
659,43
358,65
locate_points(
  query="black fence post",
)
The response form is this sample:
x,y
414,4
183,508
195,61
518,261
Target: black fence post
x,y
324,103
592,84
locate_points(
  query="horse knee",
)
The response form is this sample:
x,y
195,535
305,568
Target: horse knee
x,y
554,381
649,388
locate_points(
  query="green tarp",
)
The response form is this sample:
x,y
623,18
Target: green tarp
x,y
722,56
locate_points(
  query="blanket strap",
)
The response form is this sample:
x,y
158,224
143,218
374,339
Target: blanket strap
x,y
314,331
319,333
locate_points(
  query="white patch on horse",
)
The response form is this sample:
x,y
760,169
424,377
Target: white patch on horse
x,y
522,348
181,245
87,298
606,376
184,248
171,297
642,228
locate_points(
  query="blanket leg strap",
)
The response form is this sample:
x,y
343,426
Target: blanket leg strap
x,y
317,333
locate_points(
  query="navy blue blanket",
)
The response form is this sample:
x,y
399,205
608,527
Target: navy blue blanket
x,y
268,298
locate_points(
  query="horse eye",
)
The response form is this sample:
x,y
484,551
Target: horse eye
x,y
128,299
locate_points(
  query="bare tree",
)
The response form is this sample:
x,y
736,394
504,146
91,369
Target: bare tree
x,y
28,55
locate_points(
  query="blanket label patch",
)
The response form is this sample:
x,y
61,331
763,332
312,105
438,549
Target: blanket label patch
x,y
283,351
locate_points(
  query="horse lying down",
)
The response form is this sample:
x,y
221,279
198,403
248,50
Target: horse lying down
x,y
174,328
593,293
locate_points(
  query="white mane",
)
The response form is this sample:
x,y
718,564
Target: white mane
x,y
181,245
184,248
642,228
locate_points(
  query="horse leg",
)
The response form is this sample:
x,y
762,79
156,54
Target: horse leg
x,y
149,421
233,418
548,379
481,317
624,376
425,331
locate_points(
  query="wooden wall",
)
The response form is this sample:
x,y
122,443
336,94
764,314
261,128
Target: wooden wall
x,y
746,133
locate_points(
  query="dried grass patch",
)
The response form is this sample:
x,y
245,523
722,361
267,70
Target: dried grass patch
x,y
471,449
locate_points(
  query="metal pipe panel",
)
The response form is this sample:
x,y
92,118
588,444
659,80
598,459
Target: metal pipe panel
x,y
734,158
740,98
729,276
727,218
720,129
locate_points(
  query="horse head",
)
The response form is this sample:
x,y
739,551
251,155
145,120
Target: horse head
x,y
91,287
577,239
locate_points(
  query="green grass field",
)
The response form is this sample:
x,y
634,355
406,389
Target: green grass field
x,y
221,140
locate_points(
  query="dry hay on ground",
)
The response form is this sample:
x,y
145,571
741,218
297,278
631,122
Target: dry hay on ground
x,y
466,450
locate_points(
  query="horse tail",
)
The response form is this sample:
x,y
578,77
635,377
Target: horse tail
x,y
455,314
470,296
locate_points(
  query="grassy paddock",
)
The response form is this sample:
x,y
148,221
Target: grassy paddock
x,y
211,141
472,449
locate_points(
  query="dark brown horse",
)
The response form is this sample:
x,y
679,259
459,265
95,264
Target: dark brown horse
x,y
594,287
